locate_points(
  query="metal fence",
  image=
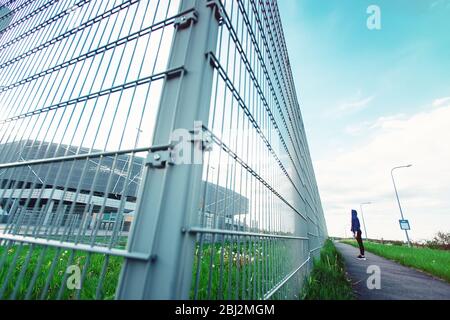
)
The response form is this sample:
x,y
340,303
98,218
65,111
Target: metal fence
x,y
152,149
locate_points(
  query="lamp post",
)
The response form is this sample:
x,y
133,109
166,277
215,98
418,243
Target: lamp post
x,y
398,200
362,216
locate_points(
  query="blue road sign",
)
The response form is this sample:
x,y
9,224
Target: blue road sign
x,y
404,225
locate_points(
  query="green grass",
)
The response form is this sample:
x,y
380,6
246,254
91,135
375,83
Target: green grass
x,y
62,260
219,272
239,272
328,280
433,261
236,272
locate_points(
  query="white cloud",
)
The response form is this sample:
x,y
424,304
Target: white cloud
x,y
363,174
441,102
441,3
385,123
351,105
356,105
434,4
356,129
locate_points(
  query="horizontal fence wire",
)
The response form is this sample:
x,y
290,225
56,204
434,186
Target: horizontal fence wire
x,y
257,217
80,84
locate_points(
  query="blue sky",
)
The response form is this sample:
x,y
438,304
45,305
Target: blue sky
x,y
358,87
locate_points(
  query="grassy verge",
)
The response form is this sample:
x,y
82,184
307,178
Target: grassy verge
x,y
433,261
231,271
220,271
328,280
48,266
224,271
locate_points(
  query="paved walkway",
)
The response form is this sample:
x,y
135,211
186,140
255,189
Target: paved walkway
x,y
397,282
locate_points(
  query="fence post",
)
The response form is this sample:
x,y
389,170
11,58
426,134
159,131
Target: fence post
x,y
169,196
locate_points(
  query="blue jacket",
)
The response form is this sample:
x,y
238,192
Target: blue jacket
x,y
355,222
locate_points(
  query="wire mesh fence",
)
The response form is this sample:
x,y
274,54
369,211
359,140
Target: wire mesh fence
x,y
79,88
90,94
260,154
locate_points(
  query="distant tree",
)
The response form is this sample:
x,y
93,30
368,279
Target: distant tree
x,y
440,241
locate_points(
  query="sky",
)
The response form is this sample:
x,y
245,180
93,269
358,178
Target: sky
x,y
373,100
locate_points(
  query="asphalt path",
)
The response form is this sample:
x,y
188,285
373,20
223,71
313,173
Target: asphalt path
x,y
396,282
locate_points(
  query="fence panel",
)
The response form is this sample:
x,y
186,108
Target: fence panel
x,y
256,240
99,101
80,84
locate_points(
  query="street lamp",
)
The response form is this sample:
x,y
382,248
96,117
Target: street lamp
x,y
398,200
362,215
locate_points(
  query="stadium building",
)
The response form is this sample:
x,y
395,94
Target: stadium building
x,y
98,188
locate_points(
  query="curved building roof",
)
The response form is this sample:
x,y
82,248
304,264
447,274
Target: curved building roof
x,y
119,175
